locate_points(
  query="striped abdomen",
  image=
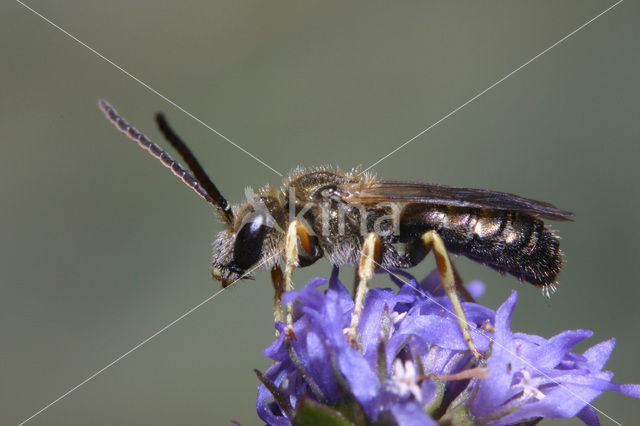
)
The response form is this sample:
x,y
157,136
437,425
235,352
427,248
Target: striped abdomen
x,y
513,243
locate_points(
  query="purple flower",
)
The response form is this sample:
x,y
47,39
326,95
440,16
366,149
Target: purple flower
x,y
412,365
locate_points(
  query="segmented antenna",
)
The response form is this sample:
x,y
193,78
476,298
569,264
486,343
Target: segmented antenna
x,y
153,149
193,164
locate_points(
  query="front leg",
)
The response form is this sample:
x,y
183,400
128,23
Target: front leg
x,y
296,233
278,288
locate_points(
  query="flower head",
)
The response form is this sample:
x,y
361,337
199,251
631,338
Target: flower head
x,y
412,365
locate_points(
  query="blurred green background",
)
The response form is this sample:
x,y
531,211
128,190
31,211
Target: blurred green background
x,y
102,247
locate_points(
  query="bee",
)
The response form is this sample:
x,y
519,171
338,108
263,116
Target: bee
x,y
353,218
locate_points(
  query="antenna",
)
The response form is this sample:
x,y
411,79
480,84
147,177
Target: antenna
x,y
194,165
215,199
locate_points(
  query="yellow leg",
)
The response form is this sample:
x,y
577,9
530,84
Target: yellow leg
x,y
466,296
369,258
448,278
295,232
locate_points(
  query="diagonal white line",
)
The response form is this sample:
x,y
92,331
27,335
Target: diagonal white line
x,y
473,330
151,89
493,85
189,312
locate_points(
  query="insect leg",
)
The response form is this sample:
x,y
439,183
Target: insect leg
x,y
296,232
369,258
278,287
466,296
448,278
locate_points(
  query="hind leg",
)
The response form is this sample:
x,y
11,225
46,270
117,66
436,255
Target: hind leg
x,y
451,282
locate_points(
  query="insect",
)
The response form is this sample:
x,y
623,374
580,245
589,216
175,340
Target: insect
x,y
354,218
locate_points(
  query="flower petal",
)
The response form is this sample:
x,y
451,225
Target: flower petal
x,y
476,289
442,331
555,349
411,413
308,295
370,320
319,364
363,380
492,392
598,355
589,416
276,373
630,390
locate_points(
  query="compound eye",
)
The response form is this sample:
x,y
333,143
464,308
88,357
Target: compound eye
x,y
248,246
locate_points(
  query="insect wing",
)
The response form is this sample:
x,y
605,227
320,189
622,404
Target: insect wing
x,y
434,194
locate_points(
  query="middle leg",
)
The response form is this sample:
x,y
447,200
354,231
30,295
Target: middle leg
x,y
370,257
